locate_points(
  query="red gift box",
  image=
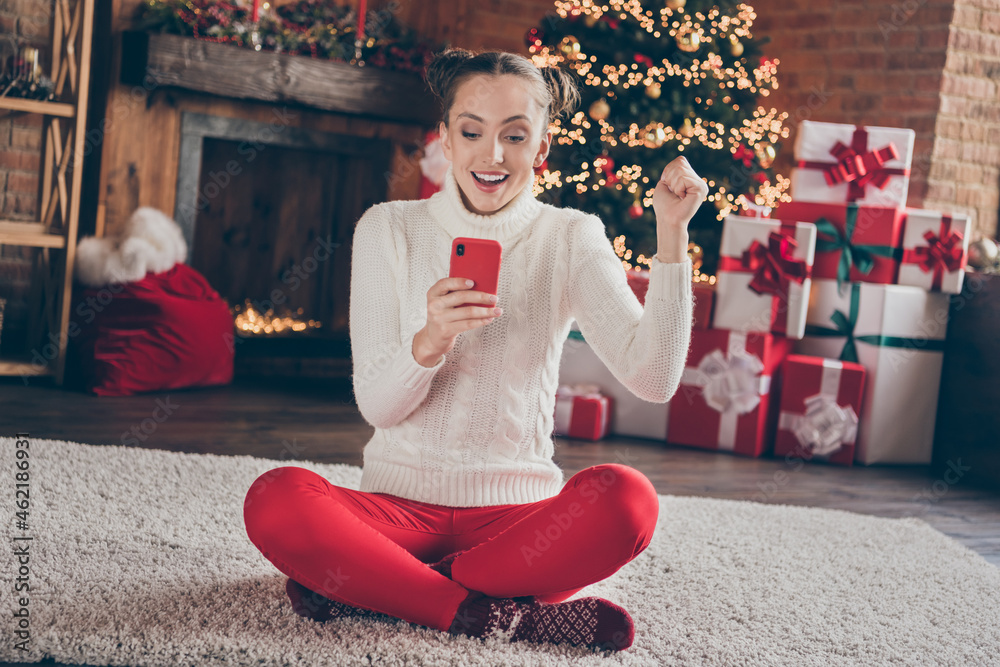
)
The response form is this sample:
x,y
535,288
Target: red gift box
x,y
723,401
582,412
853,243
704,296
820,406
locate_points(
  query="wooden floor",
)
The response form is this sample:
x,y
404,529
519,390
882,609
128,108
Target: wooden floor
x,y
317,420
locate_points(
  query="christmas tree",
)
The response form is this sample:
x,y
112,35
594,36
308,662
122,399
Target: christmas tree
x,y
668,79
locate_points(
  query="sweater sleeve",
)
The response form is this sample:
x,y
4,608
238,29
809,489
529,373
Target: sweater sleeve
x,y
644,347
388,382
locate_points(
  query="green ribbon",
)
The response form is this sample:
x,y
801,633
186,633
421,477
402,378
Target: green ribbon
x,y
831,239
845,327
575,335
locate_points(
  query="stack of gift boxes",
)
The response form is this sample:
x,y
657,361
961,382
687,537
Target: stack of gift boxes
x,y
825,340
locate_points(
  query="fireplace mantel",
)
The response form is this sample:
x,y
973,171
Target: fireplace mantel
x,y
159,60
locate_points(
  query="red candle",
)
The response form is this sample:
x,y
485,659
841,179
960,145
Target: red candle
x,y
362,10
256,11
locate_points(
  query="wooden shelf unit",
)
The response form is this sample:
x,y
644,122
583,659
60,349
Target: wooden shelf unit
x,y
64,130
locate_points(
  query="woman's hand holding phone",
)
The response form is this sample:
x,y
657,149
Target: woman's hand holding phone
x,y
446,317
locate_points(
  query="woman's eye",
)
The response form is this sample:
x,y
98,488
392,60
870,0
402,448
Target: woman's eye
x,y
469,135
516,139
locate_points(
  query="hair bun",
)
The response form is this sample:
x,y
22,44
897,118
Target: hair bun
x,y
442,68
563,87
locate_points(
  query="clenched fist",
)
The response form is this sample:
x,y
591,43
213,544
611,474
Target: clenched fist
x,y
678,194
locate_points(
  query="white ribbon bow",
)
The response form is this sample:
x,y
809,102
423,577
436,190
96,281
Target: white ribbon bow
x,y
825,427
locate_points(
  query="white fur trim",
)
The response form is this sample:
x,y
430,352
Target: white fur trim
x,y
150,242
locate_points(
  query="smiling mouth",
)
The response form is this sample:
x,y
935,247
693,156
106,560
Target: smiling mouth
x,y
490,182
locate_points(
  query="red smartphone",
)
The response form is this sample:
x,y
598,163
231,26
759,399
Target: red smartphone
x,y
478,259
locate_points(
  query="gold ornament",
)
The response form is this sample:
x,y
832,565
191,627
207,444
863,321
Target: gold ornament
x,y
687,129
696,254
765,153
735,46
676,5
570,47
653,136
590,20
600,109
689,42
653,91
721,203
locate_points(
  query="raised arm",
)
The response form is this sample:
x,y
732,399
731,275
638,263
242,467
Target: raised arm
x,y
645,348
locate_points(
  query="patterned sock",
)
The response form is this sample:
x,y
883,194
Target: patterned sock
x,y
593,622
320,608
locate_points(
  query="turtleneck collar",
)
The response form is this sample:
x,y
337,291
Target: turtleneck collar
x,y
450,212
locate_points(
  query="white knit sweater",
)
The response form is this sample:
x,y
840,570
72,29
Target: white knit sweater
x,y
476,428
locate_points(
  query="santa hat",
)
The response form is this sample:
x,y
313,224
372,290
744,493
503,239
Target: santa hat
x,y
150,242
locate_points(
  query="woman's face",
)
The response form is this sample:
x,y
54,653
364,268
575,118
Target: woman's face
x,y
494,140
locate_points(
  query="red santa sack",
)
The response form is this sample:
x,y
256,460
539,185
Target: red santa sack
x,y
168,330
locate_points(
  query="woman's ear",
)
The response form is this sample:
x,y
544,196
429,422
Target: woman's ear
x,y
445,140
543,149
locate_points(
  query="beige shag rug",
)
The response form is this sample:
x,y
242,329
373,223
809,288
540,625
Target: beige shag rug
x,y
140,557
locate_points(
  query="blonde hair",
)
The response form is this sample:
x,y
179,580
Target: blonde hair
x,y
555,89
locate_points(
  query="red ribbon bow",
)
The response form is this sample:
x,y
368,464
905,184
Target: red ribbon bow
x,y
943,254
773,265
862,168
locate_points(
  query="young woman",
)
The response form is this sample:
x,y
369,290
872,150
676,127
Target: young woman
x,y
463,522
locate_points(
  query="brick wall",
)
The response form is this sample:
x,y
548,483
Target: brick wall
x,y
965,166
20,156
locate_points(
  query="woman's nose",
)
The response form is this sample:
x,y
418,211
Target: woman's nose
x,y
496,152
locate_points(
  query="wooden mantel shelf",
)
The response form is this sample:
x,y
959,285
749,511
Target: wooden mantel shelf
x,y
152,59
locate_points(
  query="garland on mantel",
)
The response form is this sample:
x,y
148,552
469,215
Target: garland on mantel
x,y
316,28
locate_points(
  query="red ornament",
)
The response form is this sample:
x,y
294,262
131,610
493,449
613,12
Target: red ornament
x,y
761,177
643,60
533,37
604,164
745,154
542,167
635,210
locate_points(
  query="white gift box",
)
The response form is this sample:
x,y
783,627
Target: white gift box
x,y
898,336
839,163
632,415
763,284
935,250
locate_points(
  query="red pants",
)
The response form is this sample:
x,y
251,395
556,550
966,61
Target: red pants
x,y
371,549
